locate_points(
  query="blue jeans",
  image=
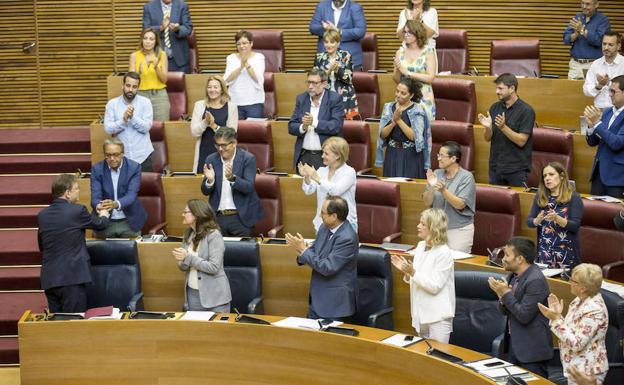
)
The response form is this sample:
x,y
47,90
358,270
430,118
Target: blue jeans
x,y
251,111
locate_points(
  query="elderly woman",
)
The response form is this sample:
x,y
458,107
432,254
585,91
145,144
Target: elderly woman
x,y
405,132
209,114
336,63
416,60
151,63
582,332
453,189
244,74
336,178
420,10
431,278
556,212
201,256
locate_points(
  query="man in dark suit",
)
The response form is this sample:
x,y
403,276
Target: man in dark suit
x,y
606,130
172,19
65,268
333,259
319,114
345,16
115,184
229,180
528,333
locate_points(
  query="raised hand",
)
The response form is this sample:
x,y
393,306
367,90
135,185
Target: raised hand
x,y
500,120
209,173
485,120
592,115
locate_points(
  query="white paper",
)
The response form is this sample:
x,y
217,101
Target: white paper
x,y
503,372
234,239
395,179
480,365
551,272
456,254
604,198
613,287
198,315
400,341
303,323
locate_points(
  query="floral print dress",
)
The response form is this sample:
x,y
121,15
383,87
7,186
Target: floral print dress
x,y
341,80
554,246
420,66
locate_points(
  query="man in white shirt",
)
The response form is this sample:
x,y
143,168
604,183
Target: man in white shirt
x,y
602,70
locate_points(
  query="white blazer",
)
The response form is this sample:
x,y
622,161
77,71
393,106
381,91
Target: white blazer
x,y
432,288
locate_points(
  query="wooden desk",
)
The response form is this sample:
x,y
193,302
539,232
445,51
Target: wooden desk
x,y
175,352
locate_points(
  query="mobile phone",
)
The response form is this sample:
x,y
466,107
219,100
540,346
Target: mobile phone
x,y
409,338
224,318
492,364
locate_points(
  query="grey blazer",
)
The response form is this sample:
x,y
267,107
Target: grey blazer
x,y
214,287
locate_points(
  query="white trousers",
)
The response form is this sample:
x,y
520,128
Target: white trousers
x,y
461,239
439,331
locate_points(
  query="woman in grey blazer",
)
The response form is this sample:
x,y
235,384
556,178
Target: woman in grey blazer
x,y
201,257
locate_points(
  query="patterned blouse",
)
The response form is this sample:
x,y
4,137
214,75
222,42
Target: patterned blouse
x,y
420,66
582,335
341,80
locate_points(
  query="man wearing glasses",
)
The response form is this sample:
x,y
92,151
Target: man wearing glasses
x,y
115,184
319,114
229,180
606,130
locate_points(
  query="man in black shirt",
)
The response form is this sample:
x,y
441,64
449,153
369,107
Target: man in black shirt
x,y
509,126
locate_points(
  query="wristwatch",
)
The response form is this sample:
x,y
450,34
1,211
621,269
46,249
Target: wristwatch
x,y
232,179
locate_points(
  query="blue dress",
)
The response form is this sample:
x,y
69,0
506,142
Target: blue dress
x,y
401,158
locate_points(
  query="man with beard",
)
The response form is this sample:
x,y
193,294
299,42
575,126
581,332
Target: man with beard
x,y
319,114
129,117
602,70
509,126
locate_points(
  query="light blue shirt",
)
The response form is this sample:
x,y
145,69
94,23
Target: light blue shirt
x,y
135,132
117,213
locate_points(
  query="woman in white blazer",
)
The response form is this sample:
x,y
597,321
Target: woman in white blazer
x,y
201,257
431,278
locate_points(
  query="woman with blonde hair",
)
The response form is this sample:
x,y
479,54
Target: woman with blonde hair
x,y
151,63
431,278
336,178
209,114
557,212
582,332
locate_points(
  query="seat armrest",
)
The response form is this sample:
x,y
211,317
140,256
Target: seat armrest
x,y
256,306
382,319
136,302
497,346
273,232
157,228
364,171
392,237
613,269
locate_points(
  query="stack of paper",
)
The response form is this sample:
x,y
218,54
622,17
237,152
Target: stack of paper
x,y
401,340
198,316
499,370
303,323
614,287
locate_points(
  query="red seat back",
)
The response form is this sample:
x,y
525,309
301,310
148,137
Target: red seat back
x,y
378,209
369,51
176,89
270,43
268,189
270,102
452,50
497,218
518,57
357,134
367,94
455,99
445,130
193,54
550,145
152,197
255,137
159,141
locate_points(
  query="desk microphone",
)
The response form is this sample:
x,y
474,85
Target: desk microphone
x,y
440,354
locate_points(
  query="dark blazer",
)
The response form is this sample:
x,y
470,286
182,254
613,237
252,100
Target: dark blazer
x,y
61,238
610,153
333,286
528,329
619,222
127,190
330,118
152,18
244,193
352,25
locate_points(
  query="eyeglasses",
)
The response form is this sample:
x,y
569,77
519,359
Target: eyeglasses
x,y
115,155
186,211
408,32
614,92
242,43
222,146
311,83
440,156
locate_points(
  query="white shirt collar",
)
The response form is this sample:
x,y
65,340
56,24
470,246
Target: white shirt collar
x,y
341,8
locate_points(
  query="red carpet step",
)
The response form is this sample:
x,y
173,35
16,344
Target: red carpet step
x,y
14,304
20,278
28,141
9,353
19,217
44,163
19,247
26,189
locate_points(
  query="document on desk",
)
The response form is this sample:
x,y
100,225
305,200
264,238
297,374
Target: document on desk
x,y
198,316
498,370
613,287
303,323
401,340
456,254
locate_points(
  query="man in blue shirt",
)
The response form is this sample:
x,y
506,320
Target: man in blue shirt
x,y
129,117
584,33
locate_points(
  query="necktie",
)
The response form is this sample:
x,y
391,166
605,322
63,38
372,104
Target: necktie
x,y
167,39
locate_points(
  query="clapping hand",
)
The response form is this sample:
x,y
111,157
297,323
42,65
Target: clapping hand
x,y
127,115
306,170
554,309
333,65
499,286
432,179
179,253
327,25
396,115
296,242
485,120
592,115
397,62
551,216
165,23
539,218
580,377
209,119
227,169
500,120
576,24
307,120
402,264
209,173
602,80
174,26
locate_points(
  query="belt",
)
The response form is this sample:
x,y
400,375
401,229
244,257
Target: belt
x,y
227,212
583,61
118,220
313,152
397,144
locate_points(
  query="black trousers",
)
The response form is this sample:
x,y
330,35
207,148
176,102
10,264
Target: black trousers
x,y
67,299
231,226
312,315
514,179
146,166
312,158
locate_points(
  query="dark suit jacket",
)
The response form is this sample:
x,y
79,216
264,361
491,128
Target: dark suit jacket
x,y
333,287
610,153
244,193
330,118
61,239
528,329
127,190
352,25
152,18
619,222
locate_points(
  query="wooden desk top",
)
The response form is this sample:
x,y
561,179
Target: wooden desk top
x,y
196,352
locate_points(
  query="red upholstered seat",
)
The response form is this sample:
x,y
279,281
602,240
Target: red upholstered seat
x,y
497,218
367,94
255,137
193,54
57,140
26,189
519,57
20,278
379,210
152,197
455,99
369,51
444,130
270,43
357,134
19,217
14,304
550,145
44,163
9,353
270,100
159,141
601,243
452,51
268,189
176,89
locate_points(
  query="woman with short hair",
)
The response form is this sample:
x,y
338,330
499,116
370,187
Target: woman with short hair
x,y
582,332
431,277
